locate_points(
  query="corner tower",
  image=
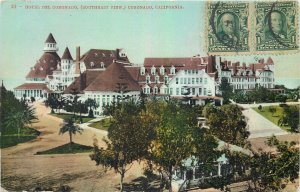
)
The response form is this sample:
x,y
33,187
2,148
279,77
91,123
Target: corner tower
x,y
50,44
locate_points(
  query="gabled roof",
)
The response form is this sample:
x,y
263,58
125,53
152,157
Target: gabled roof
x,y
112,78
94,58
50,39
44,66
67,54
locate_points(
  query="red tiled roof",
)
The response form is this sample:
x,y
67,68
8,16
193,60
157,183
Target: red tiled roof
x,y
95,57
134,72
44,66
50,39
33,86
85,79
111,78
176,62
67,54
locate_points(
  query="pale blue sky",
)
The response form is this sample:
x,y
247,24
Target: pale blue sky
x,y
142,33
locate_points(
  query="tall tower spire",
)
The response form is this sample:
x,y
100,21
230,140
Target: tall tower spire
x,y
50,44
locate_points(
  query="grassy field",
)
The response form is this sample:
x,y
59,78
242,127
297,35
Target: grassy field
x,y
103,124
67,116
64,149
272,117
11,138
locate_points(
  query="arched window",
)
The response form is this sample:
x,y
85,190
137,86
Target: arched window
x,y
142,70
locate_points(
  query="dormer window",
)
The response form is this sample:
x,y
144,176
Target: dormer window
x,y
96,54
173,70
153,70
148,79
142,70
111,55
92,64
162,70
102,65
103,54
166,79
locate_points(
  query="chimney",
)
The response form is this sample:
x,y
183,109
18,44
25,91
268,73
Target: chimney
x,y
77,62
77,54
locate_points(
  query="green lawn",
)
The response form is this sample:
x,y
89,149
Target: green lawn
x,y
103,124
68,116
273,118
10,137
63,149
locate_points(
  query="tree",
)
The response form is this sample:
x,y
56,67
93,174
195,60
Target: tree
x,y
226,90
259,107
227,123
52,102
271,172
91,104
177,137
272,110
15,114
129,136
265,170
281,98
70,127
290,117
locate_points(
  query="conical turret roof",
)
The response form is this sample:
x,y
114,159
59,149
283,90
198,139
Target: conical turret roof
x,y
67,54
50,39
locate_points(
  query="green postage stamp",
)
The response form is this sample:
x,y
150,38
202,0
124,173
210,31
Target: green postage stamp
x,y
228,29
276,26
252,27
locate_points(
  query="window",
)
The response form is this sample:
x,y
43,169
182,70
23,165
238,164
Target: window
x,y
200,91
162,70
193,80
189,80
171,91
176,80
167,79
148,79
177,91
142,70
173,70
193,91
153,70
155,90
205,80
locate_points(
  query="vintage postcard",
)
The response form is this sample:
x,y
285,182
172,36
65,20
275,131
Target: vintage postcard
x,y
156,96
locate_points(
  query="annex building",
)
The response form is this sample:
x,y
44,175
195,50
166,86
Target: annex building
x,y
108,75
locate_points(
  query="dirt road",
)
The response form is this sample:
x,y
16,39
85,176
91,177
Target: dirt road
x,y
21,169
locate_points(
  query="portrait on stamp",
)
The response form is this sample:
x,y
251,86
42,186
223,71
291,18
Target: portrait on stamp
x,y
276,26
228,27
275,23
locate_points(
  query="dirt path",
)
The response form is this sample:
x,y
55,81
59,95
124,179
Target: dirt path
x,y
22,170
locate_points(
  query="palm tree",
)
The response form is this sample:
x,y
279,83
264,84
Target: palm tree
x,y
72,128
24,114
